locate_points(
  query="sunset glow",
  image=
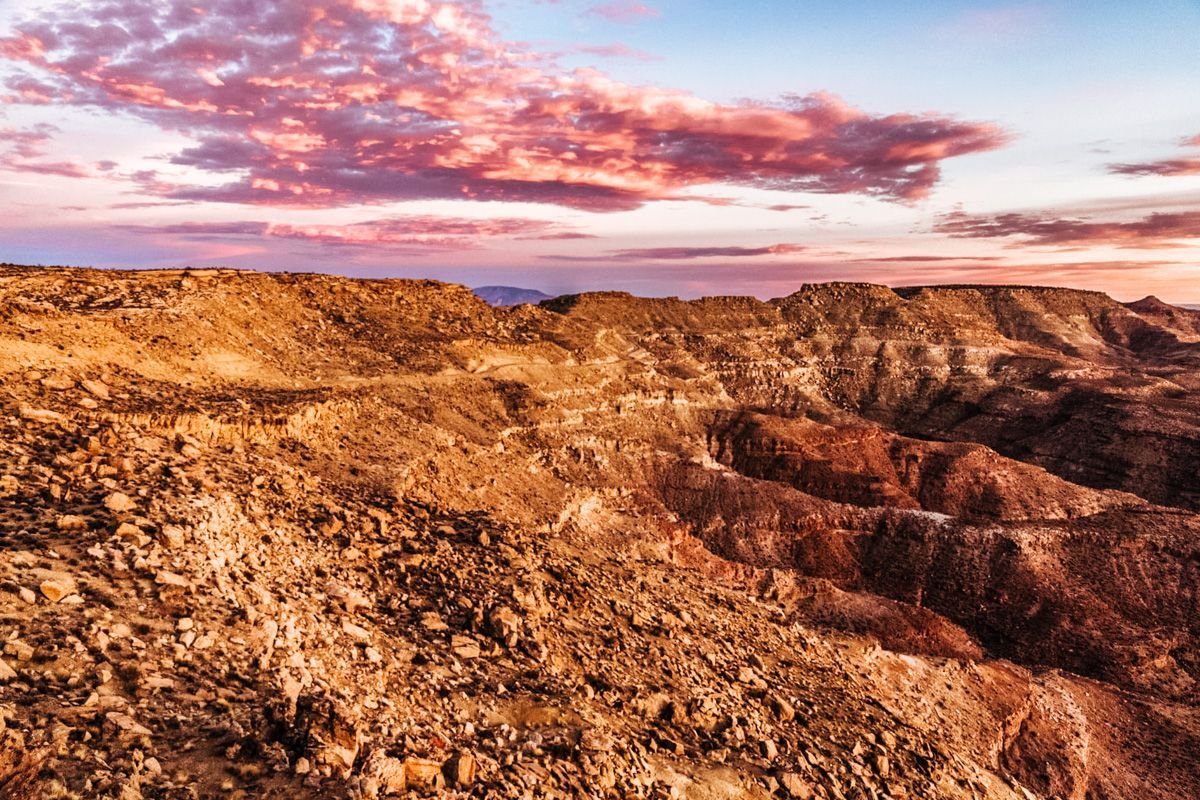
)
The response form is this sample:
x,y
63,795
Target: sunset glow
x,y
574,145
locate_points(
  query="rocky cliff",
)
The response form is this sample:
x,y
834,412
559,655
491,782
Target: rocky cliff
x,y
274,535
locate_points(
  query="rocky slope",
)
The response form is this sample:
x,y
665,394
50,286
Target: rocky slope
x,y
303,536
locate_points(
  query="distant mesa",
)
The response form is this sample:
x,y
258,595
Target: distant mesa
x,y
1182,317
510,295
1152,303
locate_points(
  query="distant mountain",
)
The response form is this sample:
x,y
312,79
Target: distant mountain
x,y
1192,306
510,295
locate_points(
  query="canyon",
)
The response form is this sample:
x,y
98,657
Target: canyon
x,y
290,535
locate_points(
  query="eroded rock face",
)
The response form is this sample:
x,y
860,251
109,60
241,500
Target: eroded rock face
x,y
301,536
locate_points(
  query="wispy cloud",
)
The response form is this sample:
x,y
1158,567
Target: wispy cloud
x,y
140,204
25,151
617,51
684,253
1168,167
1155,231
993,24
422,231
622,11
925,259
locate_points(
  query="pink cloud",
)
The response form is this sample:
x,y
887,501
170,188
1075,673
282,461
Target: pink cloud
x,y
63,169
617,50
23,146
1156,231
202,229
422,231
622,11
1169,167
354,101
559,237
29,143
924,259
149,204
686,253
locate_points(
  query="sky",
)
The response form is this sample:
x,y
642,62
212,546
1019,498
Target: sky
x,y
663,148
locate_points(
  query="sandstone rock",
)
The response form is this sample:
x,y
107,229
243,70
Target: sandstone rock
x,y
57,586
9,485
18,649
58,383
131,533
750,677
596,740
171,537
356,631
783,710
7,673
118,503
432,621
387,773
27,595
351,599
796,786
71,522
464,647
96,388
126,724
504,623
41,415
460,770
171,579
423,774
